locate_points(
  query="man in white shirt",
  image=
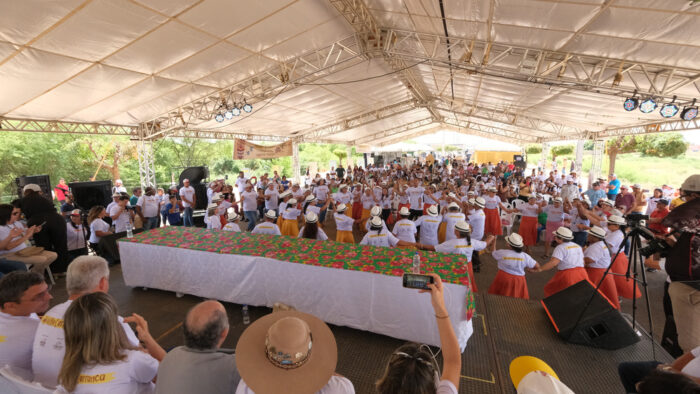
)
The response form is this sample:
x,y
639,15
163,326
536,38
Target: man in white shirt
x,y
85,275
415,199
22,296
268,226
249,200
148,208
271,197
189,201
241,182
121,216
429,225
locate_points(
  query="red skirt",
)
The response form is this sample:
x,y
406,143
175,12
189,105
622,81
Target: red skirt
x,y
470,269
509,285
624,286
356,210
607,287
528,230
563,279
493,222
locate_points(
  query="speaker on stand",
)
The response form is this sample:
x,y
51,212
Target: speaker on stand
x,y
88,194
43,181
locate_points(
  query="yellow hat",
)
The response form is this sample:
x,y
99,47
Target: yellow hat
x,y
523,365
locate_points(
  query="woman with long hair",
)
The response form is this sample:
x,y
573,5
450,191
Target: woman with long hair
x,y
596,258
98,352
311,229
512,263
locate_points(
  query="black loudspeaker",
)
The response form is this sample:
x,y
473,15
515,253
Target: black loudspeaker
x,y
42,180
601,326
200,190
88,194
194,174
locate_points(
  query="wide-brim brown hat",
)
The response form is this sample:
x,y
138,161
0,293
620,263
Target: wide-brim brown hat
x,y
263,377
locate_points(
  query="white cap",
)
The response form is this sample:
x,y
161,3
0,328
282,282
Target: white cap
x,y
341,208
515,240
311,217
480,202
375,211
404,211
376,222
270,214
31,186
564,233
618,220
463,227
432,210
596,232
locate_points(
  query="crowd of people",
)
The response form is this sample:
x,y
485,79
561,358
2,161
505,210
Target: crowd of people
x,y
446,206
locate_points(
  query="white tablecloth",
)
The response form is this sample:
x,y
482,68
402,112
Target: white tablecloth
x,y
361,300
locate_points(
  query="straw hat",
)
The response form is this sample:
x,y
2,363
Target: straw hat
x,y
558,199
432,210
375,211
564,233
310,198
270,214
217,197
212,206
376,222
285,193
480,202
291,202
463,227
341,208
311,217
596,232
404,211
618,220
493,189
606,201
287,351
453,205
515,240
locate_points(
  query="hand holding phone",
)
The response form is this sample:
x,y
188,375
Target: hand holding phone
x,y
417,281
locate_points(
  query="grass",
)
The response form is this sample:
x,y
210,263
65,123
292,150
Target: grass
x,y
650,172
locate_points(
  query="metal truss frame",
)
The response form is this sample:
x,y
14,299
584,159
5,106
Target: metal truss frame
x,y
55,126
490,131
395,131
619,77
655,127
147,173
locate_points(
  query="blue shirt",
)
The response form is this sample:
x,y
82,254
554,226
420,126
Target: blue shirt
x,y
594,195
616,190
173,218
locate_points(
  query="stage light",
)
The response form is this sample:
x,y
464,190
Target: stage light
x,y
690,112
247,107
235,111
647,105
219,117
669,110
630,104
228,114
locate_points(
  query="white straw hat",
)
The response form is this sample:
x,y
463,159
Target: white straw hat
x,y
404,211
463,227
375,211
310,198
596,232
432,210
618,220
453,205
515,240
564,233
376,222
341,208
311,217
271,214
480,202
292,201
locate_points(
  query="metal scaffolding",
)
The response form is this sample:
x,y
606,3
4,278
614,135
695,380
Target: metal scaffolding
x,y
147,173
597,163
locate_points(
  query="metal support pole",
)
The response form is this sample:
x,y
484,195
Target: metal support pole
x,y
544,156
296,169
596,165
147,173
348,159
579,156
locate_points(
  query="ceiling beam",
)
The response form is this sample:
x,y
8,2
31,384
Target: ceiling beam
x,y
394,131
657,127
55,126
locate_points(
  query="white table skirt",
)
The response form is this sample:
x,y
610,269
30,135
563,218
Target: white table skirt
x,y
361,300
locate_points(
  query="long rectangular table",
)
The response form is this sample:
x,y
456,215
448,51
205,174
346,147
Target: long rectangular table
x,y
343,284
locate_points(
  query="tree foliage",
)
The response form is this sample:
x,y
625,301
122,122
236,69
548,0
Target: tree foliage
x,y
657,145
560,150
533,149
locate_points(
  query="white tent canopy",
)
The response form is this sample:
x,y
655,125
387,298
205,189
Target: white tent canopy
x,y
369,72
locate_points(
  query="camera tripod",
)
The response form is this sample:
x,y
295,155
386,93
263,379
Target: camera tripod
x,y
634,266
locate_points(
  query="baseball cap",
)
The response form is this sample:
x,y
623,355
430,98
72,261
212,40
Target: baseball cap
x,y
31,186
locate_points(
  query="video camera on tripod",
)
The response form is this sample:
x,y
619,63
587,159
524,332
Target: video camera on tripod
x,y
636,222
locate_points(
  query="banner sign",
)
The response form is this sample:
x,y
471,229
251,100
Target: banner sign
x,y
247,150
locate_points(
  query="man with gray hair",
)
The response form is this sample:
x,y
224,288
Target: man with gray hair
x,y
200,366
85,275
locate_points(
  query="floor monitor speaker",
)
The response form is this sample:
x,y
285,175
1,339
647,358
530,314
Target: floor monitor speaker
x,y
88,194
42,180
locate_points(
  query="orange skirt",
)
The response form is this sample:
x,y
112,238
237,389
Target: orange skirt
x,y
470,269
289,227
364,217
442,232
528,230
493,222
344,236
625,287
509,285
563,279
607,287
356,210
348,213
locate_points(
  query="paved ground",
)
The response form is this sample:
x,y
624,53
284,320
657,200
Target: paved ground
x,y
362,355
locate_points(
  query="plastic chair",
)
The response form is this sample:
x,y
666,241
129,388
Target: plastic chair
x,y
507,221
12,382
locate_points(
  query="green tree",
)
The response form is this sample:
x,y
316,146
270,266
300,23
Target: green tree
x,y
533,149
663,145
560,150
588,145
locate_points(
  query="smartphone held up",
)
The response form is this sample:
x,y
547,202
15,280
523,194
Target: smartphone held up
x,y
417,281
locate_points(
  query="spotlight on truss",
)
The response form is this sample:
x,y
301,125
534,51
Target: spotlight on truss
x,y
690,112
247,107
648,105
219,117
669,110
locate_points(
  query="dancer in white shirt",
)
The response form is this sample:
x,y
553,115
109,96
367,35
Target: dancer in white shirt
x,y
268,226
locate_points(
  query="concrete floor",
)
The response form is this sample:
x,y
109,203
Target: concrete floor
x,y
362,355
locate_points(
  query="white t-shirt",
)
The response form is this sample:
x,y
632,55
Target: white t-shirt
x,y
321,192
614,239
570,255
367,201
529,210
492,202
451,218
188,193
149,205
383,238
460,246
320,235
75,236
599,253
343,198
272,202
121,221
233,227
513,262
415,195
5,232
240,182
16,338
97,225
291,213
336,385
343,222
49,344
430,200
693,366
405,230
477,221
133,375
250,200
266,228
428,229
554,214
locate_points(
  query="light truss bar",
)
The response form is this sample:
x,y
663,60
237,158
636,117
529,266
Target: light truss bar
x,y
358,120
490,131
656,127
619,77
262,86
224,135
395,130
408,135
54,126
456,129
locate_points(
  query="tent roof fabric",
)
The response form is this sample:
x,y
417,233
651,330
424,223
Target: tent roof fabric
x,y
350,71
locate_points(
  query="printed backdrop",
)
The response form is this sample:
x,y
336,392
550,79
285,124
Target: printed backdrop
x,y
247,150
379,260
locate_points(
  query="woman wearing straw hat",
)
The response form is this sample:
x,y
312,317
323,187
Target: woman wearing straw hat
x,y
285,196
290,226
368,201
268,226
405,229
289,352
446,231
233,218
428,225
568,259
615,238
343,225
379,235
528,221
510,279
493,219
311,229
596,257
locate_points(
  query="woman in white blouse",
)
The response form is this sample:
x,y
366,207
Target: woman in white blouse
x,y
75,234
14,237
